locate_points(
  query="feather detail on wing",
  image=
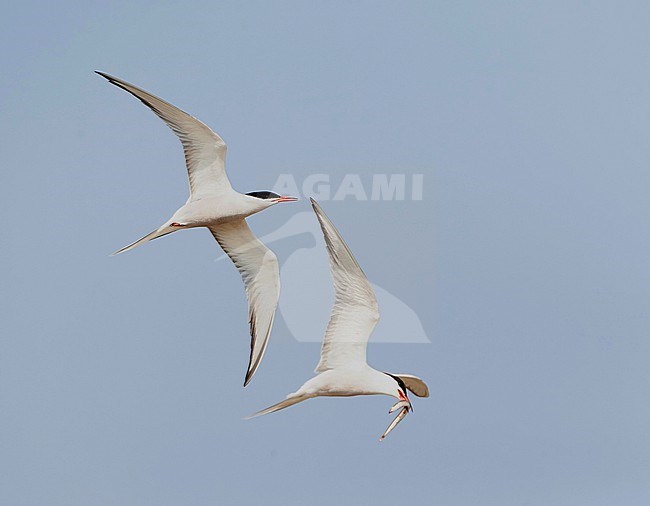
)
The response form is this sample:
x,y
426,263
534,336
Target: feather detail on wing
x,y
205,151
259,270
355,312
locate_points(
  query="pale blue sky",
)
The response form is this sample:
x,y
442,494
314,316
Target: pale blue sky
x,y
527,261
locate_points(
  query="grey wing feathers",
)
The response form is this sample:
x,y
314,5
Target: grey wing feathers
x,y
205,151
355,312
414,384
260,272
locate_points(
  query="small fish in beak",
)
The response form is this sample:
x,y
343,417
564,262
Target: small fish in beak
x,y
394,423
397,405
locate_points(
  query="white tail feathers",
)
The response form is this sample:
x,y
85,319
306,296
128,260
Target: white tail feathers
x,y
280,405
164,230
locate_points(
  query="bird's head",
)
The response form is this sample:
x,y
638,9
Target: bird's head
x,y
400,392
270,198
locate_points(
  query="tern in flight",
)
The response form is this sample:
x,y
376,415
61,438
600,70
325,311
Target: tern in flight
x,y
343,370
214,204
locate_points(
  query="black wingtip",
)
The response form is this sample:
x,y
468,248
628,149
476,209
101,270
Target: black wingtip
x,y
106,76
249,375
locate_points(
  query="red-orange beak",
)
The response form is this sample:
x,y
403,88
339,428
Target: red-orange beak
x,y
286,199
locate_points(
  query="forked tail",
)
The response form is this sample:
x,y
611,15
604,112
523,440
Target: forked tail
x,y
280,405
164,230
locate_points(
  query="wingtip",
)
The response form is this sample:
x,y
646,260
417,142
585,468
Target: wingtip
x,y
249,373
314,205
108,77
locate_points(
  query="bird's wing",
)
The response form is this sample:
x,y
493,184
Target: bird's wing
x,y
355,312
205,151
414,384
259,270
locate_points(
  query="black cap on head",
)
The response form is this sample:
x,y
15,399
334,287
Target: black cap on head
x,y
399,382
264,195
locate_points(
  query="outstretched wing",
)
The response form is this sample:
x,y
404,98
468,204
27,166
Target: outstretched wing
x,y
205,151
355,311
259,270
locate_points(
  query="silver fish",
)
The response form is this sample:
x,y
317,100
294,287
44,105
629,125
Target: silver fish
x,y
394,423
398,405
